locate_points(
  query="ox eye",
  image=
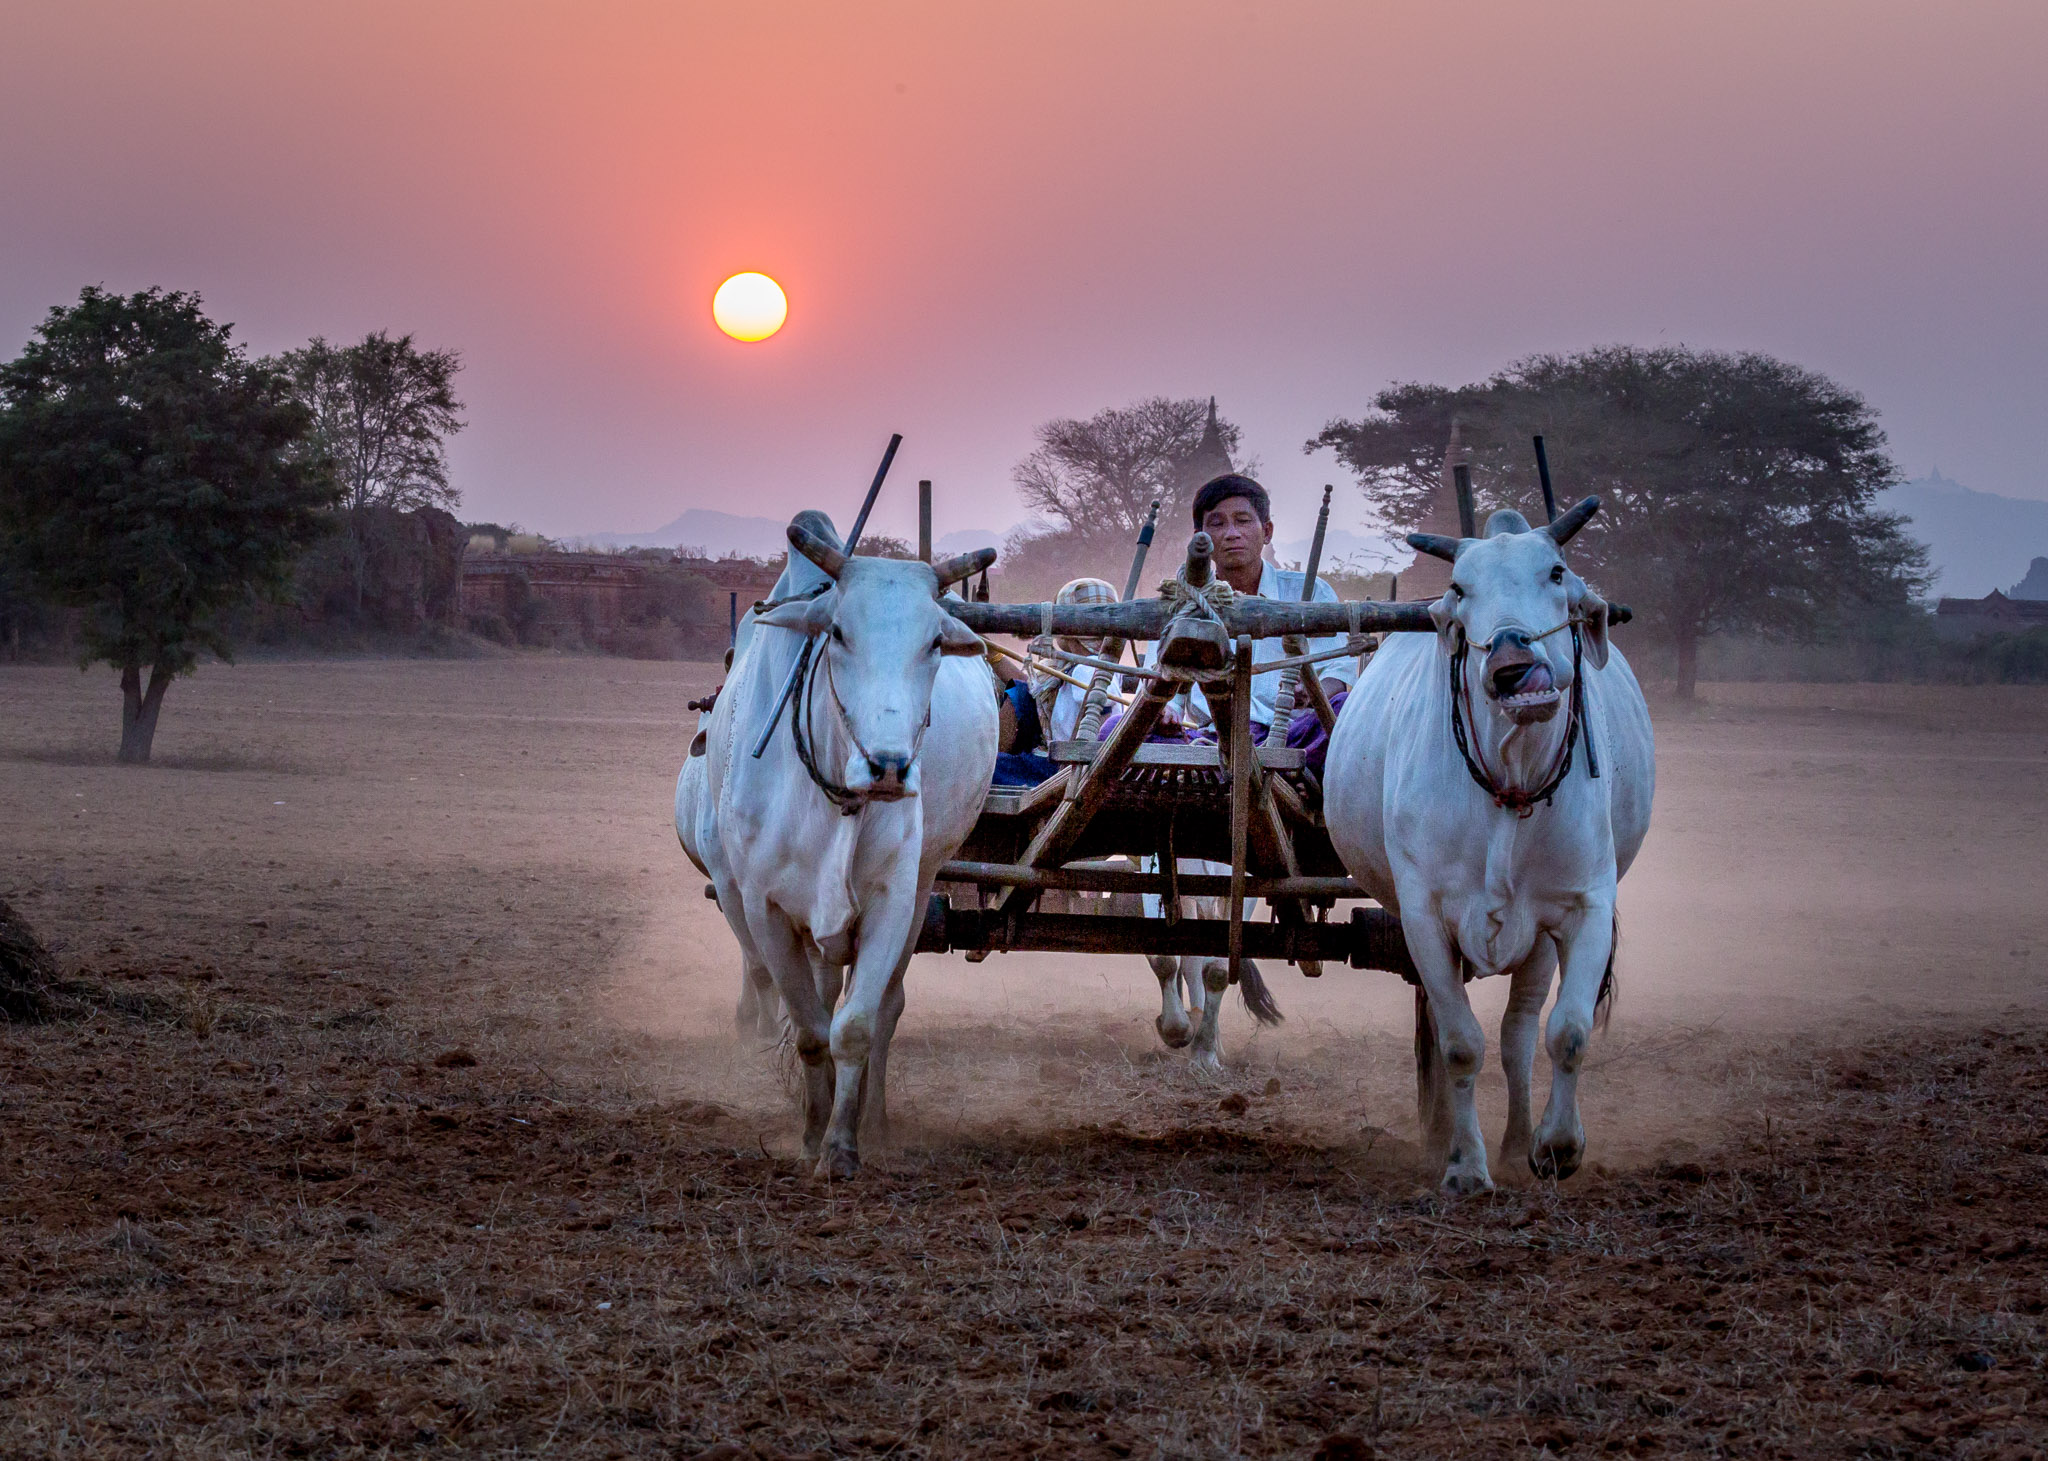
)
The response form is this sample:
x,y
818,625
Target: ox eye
x,y
1457,590
1557,573
938,643
838,636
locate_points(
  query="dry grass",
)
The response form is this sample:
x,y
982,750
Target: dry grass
x,y
326,1233
393,1121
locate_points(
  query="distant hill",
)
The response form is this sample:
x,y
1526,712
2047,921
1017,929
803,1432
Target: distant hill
x,y
1357,552
717,533
1979,541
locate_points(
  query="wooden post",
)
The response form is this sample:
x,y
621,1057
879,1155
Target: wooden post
x,y
1468,522
924,520
1242,759
852,541
1543,475
1290,680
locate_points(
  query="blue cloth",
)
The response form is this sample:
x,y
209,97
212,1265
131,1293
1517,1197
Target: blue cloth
x,y
1022,768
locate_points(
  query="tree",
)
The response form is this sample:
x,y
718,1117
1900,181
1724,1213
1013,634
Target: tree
x,y
1100,477
1737,490
155,478
382,411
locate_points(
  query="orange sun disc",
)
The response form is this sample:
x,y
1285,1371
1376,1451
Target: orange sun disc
x,y
750,306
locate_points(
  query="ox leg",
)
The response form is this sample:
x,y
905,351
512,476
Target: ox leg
x,y
1173,1024
1587,947
1460,1046
1519,1026
1215,975
884,934
874,1114
759,1015
810,1018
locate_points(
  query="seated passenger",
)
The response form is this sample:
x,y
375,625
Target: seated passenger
x,y
1237,515
1051,709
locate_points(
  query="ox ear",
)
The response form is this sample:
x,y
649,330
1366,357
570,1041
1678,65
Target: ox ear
x,y
957,638
805,616
1591,610
1444,614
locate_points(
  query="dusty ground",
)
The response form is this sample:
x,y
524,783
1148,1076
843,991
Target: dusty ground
x,y
411,1120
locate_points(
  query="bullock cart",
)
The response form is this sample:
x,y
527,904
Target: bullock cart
x,y
1123,810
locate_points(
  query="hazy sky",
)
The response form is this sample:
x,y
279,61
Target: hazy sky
x,y
987,214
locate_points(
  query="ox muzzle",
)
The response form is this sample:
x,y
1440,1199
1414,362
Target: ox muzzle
x,y
1519,680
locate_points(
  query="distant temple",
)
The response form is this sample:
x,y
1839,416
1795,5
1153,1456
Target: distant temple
x,y
2023,606
1208,461
1427,577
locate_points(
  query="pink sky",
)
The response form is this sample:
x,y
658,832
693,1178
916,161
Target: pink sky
x,y
987,215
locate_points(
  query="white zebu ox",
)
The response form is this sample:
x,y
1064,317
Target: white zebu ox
x,y
1473,877
900,714
759,1012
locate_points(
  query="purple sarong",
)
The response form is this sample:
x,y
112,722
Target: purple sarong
x,y
1304,732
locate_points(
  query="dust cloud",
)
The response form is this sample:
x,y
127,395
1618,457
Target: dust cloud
x,y
489,843
1826,863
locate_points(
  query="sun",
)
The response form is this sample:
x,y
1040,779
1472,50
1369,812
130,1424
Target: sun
x,y
750,306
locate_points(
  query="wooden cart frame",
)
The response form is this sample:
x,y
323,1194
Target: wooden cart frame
x,y
1255,808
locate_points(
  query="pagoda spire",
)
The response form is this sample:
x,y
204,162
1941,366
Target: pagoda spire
x,y
1427,577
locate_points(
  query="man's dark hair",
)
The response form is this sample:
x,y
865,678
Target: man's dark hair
x,y
1232,484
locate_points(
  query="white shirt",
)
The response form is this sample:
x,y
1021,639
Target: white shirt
x,y
1283,584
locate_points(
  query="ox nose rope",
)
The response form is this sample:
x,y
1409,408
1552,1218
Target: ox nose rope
x,y
1512,798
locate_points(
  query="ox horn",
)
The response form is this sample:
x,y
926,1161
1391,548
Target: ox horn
x,y
963,565
817,550
1436,545
1572,519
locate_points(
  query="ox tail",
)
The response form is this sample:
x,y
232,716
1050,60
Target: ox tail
x,y
1258,999
1603,1002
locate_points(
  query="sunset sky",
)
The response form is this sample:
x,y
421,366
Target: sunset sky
x,y
986,215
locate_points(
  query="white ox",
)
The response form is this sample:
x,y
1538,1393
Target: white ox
x,y
1485,879
822,868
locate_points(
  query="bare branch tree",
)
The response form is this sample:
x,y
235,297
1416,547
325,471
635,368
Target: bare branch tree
x,y
382,410
1101,476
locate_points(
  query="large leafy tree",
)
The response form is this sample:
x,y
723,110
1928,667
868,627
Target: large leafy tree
x,y
1738,490
152,476
382,412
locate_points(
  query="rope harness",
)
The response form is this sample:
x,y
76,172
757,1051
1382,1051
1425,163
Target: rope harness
x,y
1522,803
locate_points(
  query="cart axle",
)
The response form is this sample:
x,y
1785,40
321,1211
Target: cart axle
x,y
1370,939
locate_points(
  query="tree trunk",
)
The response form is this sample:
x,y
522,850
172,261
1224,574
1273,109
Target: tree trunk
x,y
1688,663
139,709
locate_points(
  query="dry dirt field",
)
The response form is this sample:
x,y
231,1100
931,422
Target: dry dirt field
x,y
408,1119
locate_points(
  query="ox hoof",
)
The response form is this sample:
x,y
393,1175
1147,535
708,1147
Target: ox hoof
x,y
1174,1037
1465,1182
838,1164
1206,1063
1554,1161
